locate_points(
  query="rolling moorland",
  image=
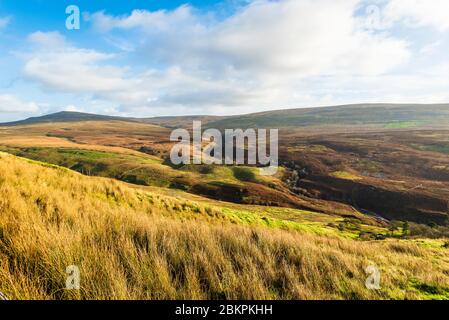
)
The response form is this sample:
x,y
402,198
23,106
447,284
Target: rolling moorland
x,y
358,185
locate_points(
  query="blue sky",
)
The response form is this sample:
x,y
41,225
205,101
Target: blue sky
x,y
150,58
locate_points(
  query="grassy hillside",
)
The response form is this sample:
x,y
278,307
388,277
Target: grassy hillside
x,y
136,153
235,184
398,174
179,121
133,243
393,116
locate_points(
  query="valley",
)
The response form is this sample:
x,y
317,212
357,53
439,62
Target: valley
x,y
350,168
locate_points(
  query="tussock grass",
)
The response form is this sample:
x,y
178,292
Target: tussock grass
x,y
345,175
133,244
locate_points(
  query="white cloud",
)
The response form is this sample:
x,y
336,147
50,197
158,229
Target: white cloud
x,y
61,67
47,39
266,55
12,104
418,13
73,108
150,21
256,57
431,47
306,37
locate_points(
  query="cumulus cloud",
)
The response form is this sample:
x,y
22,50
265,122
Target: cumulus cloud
x,y
12,104
267,54
73,108
306,37
62,67
47,40
149,21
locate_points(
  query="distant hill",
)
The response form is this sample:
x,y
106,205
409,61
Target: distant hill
x,y
180,121
393,115
388,115
69,116
65,116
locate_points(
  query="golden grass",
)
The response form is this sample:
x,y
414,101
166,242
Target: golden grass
x,y
134,244
113,136
345,175
53,142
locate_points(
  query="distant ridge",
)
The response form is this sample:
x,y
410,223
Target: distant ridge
x,y
70,116
65,116
355,114
180,121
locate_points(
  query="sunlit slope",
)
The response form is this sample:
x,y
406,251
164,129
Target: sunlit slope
x,y
137,153
131,243
92,135
321,170
389,116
